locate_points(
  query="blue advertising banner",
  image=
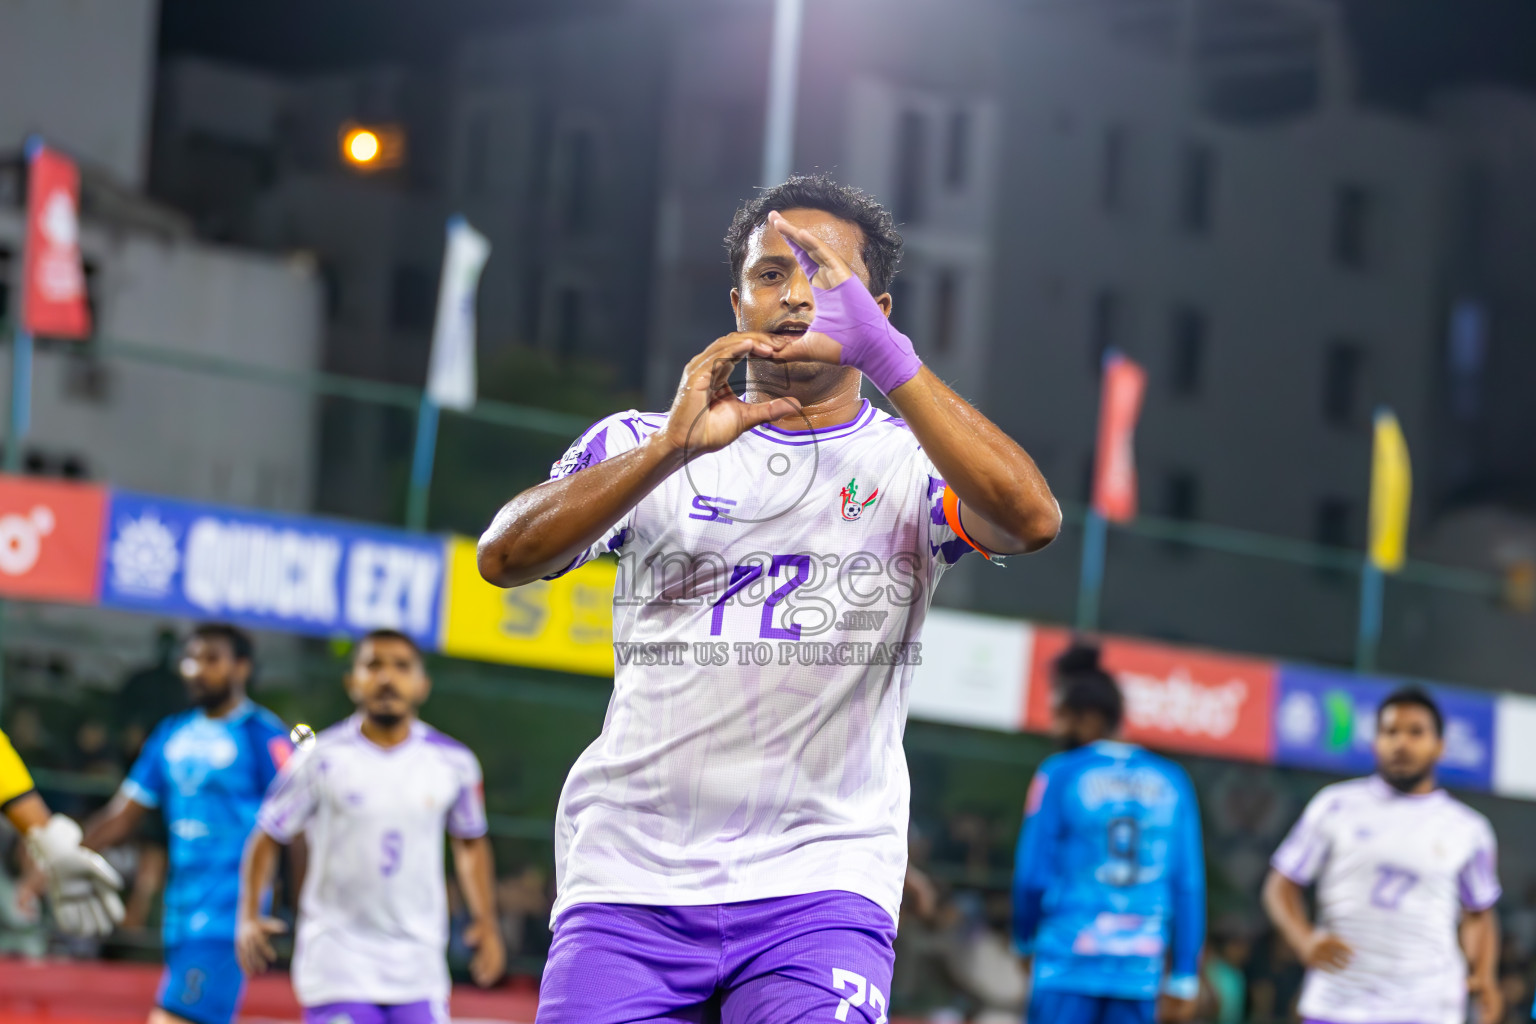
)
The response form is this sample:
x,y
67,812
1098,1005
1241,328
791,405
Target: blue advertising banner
x,y
267,571
1327,720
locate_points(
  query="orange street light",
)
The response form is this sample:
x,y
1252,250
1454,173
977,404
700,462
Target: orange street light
x,y
362,146
369,148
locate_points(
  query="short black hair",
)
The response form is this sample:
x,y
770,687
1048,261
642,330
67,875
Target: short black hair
x,y
882,243
390,634
239,641
1083,685
1414,696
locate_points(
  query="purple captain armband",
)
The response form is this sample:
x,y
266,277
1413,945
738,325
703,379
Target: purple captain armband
x,y
850,316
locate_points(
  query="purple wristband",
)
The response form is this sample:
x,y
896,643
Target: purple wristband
x,y
850,316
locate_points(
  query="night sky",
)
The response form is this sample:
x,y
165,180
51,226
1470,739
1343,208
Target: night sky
x,y
1407,48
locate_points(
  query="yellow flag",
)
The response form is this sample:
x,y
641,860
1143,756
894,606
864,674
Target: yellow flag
x,y
1391,489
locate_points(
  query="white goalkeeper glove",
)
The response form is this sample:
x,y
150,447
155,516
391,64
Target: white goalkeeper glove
x,y
81,885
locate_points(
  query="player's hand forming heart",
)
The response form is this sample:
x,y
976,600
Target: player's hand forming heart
x,y
706,414
850,327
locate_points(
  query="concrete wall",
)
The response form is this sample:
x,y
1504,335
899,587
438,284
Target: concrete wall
x,y
80,73
171,431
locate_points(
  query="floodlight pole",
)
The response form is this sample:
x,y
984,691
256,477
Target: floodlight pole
x,y
1368,627
783,73
1090,580
424,454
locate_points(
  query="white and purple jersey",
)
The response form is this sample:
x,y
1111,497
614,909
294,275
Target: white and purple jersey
x,y
1394,875
373,916
767,616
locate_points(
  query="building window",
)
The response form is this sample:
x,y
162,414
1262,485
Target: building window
x,y
1105,326
1330,523
576,208
1197,186
568,322
957,150
1186,358
412,298
86,377
1343,368
92,293
5,283
477,145
911,167
1353,213
946,310
330,289
1112,170
1181,496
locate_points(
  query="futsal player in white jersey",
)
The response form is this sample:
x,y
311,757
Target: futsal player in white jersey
x,y
1406,880
373,796
732,847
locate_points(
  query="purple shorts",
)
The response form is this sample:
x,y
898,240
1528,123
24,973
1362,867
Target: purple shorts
x,y
424,1012
826,955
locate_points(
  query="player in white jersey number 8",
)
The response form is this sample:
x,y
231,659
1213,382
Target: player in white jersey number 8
x,y
740,824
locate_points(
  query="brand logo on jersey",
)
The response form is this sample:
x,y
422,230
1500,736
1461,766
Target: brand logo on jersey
x,y
576,458
712,510
853,508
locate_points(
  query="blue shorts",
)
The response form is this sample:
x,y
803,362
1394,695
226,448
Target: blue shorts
x,y
1049,1007
202,983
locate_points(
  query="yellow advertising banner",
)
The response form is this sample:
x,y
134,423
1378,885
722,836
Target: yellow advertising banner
x,y
564,624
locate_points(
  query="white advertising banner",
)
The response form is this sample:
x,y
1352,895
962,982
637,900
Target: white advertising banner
x,y
1514,747
974,671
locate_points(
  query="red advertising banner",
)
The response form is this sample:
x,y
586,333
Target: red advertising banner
x,y
50,539
1177,699
1114,465
54,305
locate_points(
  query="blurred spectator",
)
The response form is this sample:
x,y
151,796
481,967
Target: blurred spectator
x,y
459,951
969,843
1225,964
145,863
30,737
23,931
95,753
1517,996
150,694
1520,925
522,903
1274,979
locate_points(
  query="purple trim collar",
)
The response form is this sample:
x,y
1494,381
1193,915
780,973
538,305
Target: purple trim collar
x,y
418,729
866,416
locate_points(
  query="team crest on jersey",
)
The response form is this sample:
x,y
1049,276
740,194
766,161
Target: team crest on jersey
x,y
853,508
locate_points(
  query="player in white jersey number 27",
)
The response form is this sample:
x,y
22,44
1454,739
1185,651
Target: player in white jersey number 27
x,y
732,847
373,796
1406,880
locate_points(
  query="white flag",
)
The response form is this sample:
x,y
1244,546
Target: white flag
x,y
451,375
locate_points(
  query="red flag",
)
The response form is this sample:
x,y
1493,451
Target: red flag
x,y
1114,475
54,303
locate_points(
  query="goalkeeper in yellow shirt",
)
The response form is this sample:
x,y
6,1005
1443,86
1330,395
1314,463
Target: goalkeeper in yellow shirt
x,y
82,886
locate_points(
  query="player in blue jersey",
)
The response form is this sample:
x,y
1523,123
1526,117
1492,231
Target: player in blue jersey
x,y
206,771
1109,887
